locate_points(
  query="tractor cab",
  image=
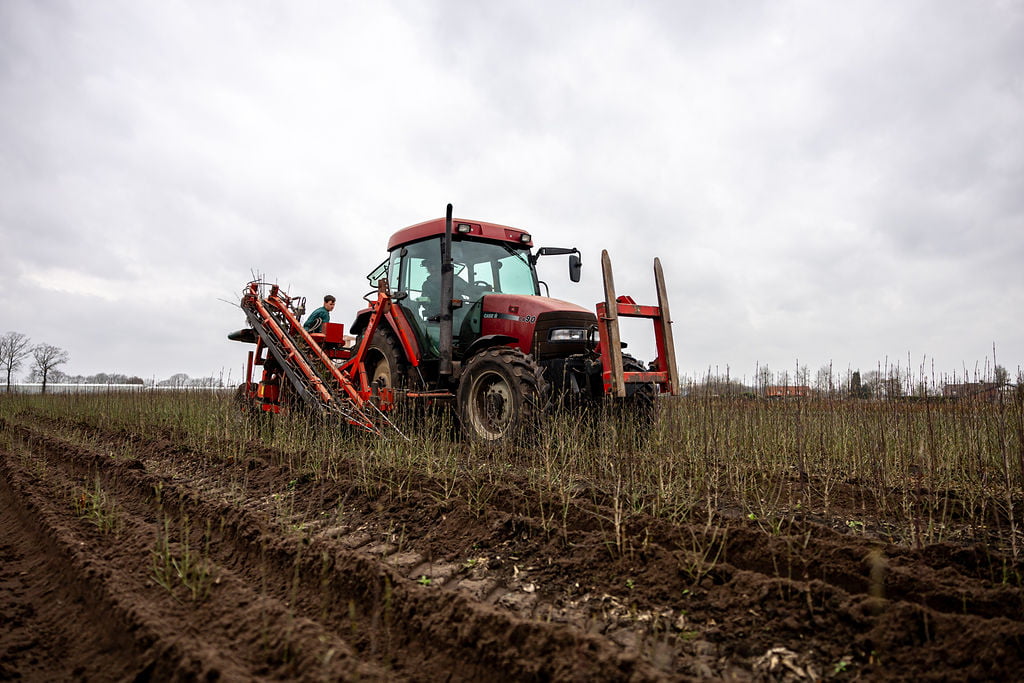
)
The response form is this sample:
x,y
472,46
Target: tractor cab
x,y
495,290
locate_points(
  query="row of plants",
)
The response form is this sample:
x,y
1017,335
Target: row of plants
x,y
913,473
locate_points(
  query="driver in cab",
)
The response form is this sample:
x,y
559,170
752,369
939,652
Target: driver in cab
x,y
432,290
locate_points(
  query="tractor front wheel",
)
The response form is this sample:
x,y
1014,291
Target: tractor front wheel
x,y
502,396
385,362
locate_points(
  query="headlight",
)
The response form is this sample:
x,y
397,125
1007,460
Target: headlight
x,y
568,334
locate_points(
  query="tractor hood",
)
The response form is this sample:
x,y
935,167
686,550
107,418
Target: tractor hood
x,y
529,320
516,306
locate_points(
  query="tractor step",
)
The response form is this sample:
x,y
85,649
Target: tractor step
x,y
664,372
433,395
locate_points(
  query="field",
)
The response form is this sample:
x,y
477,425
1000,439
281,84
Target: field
x,y
159,536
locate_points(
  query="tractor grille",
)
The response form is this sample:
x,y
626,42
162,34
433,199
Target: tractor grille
x,y
544,348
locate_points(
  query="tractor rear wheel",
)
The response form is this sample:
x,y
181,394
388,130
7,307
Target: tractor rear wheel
x,y
502,396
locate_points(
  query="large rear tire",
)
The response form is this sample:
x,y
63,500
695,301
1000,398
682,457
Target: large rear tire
x,y
502,397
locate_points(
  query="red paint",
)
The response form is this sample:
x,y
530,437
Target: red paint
x,y
527,308
478,229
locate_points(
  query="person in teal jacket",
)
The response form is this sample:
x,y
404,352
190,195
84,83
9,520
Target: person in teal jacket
x,y
320,317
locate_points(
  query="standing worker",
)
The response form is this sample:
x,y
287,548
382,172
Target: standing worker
x,y
320,317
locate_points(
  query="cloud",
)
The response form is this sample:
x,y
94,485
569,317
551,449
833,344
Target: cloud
x,y
821,181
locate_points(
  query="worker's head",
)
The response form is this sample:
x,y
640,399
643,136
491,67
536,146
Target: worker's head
x,y
329,302
433,266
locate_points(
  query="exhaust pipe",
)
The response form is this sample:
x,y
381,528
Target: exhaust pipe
x,y
447,292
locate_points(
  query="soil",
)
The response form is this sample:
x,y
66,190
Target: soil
x,y
171,563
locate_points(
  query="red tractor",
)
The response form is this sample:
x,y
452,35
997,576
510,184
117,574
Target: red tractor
x,y
457,316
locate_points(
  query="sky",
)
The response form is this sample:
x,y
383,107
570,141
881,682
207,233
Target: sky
x,y
824,182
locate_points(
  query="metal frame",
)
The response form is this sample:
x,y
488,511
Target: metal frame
x,y
614,377
306,365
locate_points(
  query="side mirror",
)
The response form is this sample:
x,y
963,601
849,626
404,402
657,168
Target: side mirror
x,y
575,266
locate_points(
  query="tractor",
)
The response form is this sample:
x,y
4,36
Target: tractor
x,y
457,317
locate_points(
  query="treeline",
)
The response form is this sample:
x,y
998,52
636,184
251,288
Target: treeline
x,y
43,361
16,349
98,378
891,382
183,381
179,380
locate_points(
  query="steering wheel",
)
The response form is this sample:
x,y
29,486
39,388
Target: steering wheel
x,y
483,286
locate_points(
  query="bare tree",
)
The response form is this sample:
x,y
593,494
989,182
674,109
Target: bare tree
x,y
872,384
763,378
14,348
46,357
892,384
177,380
823,380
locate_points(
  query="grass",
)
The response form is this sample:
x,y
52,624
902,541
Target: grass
x,y
93,504
177,564
914,473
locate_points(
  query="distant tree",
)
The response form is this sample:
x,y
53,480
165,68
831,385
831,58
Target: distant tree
x,y
803,376
14,348
823,380
711,385
892,385
871,384
1001,376
763,378
858,388
177,380
135,380
46,357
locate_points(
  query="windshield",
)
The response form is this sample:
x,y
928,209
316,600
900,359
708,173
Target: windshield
x,y
479,268
494,267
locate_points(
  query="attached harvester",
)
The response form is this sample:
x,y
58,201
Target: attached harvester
x,y
456,316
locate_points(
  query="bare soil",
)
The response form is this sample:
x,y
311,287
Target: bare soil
x,y
172,564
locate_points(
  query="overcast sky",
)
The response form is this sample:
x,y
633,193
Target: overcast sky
x,y
823,181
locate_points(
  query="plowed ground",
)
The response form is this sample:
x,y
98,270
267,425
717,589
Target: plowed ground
x,y
169,563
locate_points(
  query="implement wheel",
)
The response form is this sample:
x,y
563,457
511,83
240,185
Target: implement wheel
x,y
635,415
502,396
385,363
242,405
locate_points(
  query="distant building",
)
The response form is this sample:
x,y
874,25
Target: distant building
x,y
787,391
975,391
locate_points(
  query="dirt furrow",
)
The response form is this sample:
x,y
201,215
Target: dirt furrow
x,y
945,578
420,580
44,599
411,628
157,632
